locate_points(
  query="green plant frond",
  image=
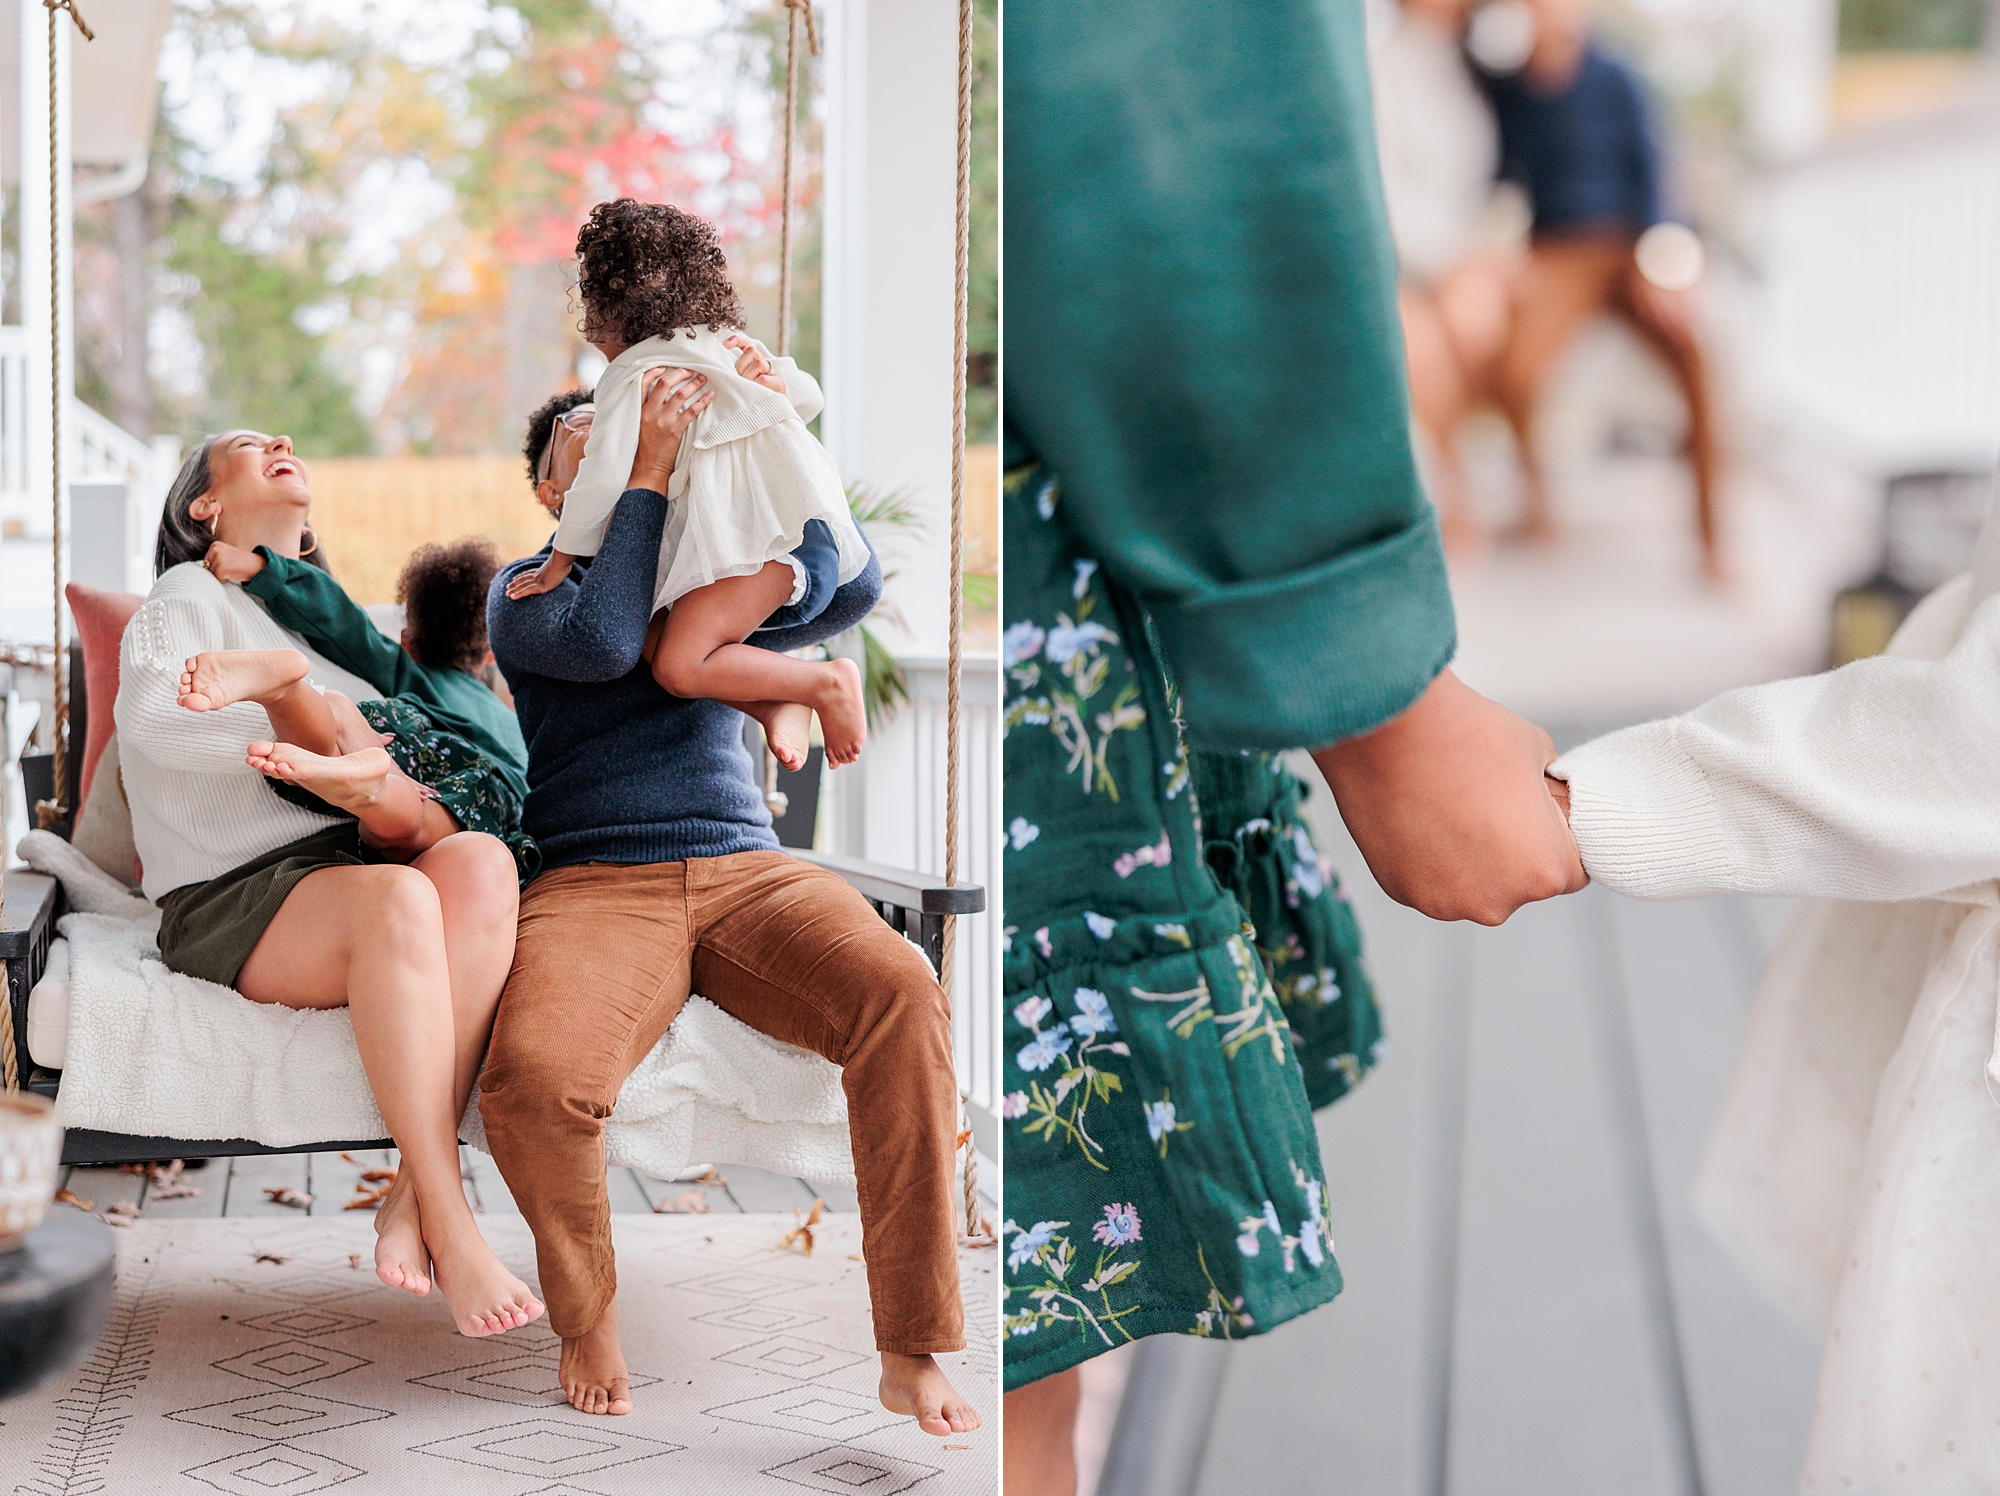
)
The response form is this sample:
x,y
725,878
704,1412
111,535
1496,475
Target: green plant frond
x,y
982,591
894,508
884,686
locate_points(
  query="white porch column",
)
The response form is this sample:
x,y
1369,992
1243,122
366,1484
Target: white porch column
x,y
891,70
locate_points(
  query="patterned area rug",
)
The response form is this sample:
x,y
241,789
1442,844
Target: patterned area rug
x,y
753,1371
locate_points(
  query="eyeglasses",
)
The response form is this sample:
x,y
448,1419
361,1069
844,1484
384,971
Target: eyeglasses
x,y
575,419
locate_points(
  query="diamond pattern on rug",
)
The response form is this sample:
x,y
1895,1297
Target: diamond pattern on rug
x,y
760,1318
262,1471
291,1363
849,1470
303,1381
790,1356
308,1321
539,1446
525,1381
279,1415
824,1411
739,1284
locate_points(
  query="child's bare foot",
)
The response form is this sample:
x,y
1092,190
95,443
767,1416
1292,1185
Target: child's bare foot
x,y
352,781
843,714
917,1385
787,728
401,1259
544,578
485,1298
223,677
593,1373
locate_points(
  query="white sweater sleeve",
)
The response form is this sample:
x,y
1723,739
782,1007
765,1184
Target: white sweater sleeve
x,y
1878,781
607,463
157,644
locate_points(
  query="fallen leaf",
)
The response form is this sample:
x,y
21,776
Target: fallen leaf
x,y
116,1220
67,1198
348,1158
958,1446
856,1257
714,1177
297,1199
367,1199
353,1260
279,1258
172,1191
122,1208
379,1176
801,1235
963,1138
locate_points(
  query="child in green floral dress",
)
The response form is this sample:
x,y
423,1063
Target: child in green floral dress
x,y
439,752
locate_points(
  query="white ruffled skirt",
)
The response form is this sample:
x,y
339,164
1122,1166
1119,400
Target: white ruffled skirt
x,y
1854,1173
742,503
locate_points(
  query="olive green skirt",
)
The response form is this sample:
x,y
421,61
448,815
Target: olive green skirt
x,y
208,930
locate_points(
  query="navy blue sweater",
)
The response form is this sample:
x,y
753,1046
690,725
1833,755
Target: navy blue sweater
x,y
618,770
1584,152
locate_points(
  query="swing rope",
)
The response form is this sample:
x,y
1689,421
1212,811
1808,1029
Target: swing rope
x,y
52,811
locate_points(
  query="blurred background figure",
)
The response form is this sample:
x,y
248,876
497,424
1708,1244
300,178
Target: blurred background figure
x,y
1575,135
1454,235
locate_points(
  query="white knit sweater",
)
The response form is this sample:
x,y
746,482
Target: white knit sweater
x,y
1879,781
198,809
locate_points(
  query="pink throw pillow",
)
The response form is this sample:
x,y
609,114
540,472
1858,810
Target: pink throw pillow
x,y
100,619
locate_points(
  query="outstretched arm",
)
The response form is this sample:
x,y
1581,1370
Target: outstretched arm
x,y
592,630
1875,781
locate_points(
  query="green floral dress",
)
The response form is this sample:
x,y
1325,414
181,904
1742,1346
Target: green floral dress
x,y
1183,986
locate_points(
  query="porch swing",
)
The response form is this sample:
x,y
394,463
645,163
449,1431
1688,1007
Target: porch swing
x,y
920,907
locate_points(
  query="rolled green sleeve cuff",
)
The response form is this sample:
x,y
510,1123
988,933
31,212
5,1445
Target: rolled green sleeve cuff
x,y
1314,656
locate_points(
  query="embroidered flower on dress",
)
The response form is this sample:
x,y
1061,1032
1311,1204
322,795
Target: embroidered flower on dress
x,y
1099,925
1159,1119
1093,1016
1311,876
1068,640
1157,855
1119,1226
1014,1104
1021,643
1030,1011
1030,1241
1042,943
1021,831
1044,1049
1084,571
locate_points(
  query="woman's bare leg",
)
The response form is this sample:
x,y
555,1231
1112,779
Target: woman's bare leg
x,y
274,679
372,939
395,813
479,895
1039,1426
701,653
1664,321
1438,401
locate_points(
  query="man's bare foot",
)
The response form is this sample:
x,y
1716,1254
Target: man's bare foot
x,y
485,1298
401,1259
917,1385
787,728
592,1372
353,781
223,677
843,714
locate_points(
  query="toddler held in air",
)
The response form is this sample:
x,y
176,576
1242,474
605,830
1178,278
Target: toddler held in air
x,y
747,481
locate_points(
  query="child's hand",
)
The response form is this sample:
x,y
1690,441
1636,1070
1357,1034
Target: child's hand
x,y
545,578
1451,808
752,364
231,563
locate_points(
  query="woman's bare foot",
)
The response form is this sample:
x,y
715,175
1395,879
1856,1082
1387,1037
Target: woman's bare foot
x,y
843,713
485,1298
401,1259
917,1385
353,781
223,677
787,728
593,1373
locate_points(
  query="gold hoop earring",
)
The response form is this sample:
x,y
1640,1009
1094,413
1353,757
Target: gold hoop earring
x,y
212,522
306,550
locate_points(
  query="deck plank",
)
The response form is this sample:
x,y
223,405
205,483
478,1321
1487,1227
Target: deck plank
x,y
660,1192
250,1177
1556,1383
212,1179
1750,1373
760,1189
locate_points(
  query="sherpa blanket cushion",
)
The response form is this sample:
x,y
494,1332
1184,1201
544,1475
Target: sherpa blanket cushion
x,y
157,1054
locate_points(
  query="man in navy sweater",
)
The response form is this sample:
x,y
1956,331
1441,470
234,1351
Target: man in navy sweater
x,y
661,876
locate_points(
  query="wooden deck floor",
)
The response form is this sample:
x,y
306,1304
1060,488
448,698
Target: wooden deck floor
x,y
238,1187
1530,1306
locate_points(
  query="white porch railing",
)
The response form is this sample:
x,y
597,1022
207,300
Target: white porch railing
x,y
891,808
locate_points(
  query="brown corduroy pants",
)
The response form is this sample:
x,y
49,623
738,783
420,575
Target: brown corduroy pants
x,y
606,958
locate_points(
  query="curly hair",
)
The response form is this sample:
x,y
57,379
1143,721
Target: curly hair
x,y
443,593
645,270
542,427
